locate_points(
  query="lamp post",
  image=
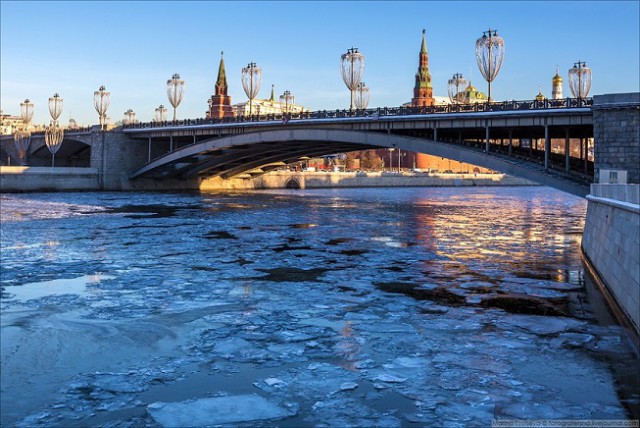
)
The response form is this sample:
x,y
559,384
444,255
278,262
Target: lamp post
x,y
251,81
129,117
101,100
352,68
390,160
580,79
161,113
22,137
54,135
489,56
175,92
362,96
453,86
287,99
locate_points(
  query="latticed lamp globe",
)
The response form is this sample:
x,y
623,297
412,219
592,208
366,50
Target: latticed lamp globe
x,y
362,95
129,117
580,80
175,92
101,100
55,106
453,87
287,99
161,113
352,69
489,56
251,81
26,112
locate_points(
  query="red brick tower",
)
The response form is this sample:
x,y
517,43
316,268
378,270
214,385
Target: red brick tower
x,y
423,93
423,89
220,102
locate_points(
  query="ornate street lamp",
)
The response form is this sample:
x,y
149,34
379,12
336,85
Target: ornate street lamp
x,y
101,99
129,117
352,68
251,81
489,56
453,87
54,134
288,100
362,96
175,92
22,137
580,80
161,113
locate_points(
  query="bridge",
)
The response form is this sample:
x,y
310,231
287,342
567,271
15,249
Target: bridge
x,y
490,136
543,141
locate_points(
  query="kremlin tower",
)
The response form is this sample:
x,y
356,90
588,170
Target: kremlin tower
x,y
556,86
220,102
423,89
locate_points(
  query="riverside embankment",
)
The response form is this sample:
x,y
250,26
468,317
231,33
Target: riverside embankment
x,y
37,179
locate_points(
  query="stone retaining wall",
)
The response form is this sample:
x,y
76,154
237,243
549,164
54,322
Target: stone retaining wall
x,y
611,242
43,179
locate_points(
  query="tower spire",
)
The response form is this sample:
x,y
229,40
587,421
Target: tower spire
x,y
222,75
424,42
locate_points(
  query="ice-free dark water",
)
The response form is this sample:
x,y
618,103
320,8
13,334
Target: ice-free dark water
x,y
361,307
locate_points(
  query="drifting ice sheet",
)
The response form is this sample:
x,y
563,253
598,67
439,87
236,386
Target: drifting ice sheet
x,y
214,411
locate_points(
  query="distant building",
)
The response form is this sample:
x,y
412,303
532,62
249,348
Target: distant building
x,y
540,96
220,102
265,107
470,95
9,124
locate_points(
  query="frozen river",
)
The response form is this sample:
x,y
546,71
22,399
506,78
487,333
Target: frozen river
x,y
321,308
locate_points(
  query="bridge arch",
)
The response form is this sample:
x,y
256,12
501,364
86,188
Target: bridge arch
x,y
73,152
229,156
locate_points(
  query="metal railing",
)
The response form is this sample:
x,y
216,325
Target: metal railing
x,y
504,106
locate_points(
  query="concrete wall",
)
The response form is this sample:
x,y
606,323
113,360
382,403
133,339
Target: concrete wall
x,y
616,131
309,180
611,242
43,179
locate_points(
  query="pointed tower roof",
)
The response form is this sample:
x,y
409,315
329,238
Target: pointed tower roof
x,y
423,49
222,76
273,96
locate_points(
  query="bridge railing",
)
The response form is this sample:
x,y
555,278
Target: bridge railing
x,y
503,106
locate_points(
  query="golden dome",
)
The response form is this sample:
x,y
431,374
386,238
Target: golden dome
x,y
540,97
556,79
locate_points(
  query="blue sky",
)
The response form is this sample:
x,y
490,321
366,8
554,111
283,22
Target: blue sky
x,y
134,47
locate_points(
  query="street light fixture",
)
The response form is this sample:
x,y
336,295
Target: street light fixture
x,y
54,134
175,92
101,100
22,137
288,100
129,117
161,113
453,87
489,56
362,96
251,81
352,68
580,79
390,160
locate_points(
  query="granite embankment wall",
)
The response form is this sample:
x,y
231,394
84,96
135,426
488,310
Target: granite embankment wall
x,y
45,179
611,244
314,180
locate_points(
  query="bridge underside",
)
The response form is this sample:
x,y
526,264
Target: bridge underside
x,y
260,152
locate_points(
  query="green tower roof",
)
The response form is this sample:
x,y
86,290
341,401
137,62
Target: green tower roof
x,y
222,76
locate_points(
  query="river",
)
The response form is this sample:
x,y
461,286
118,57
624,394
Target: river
x,y
330,307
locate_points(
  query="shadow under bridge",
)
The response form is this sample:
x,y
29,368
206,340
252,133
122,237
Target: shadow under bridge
x,y
260,152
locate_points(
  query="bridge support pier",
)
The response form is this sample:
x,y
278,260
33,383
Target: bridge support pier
x,y
510,143
486,145
547,147
567,151
149,154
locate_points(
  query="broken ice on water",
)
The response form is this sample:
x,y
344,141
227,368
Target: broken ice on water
x,y
302,309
